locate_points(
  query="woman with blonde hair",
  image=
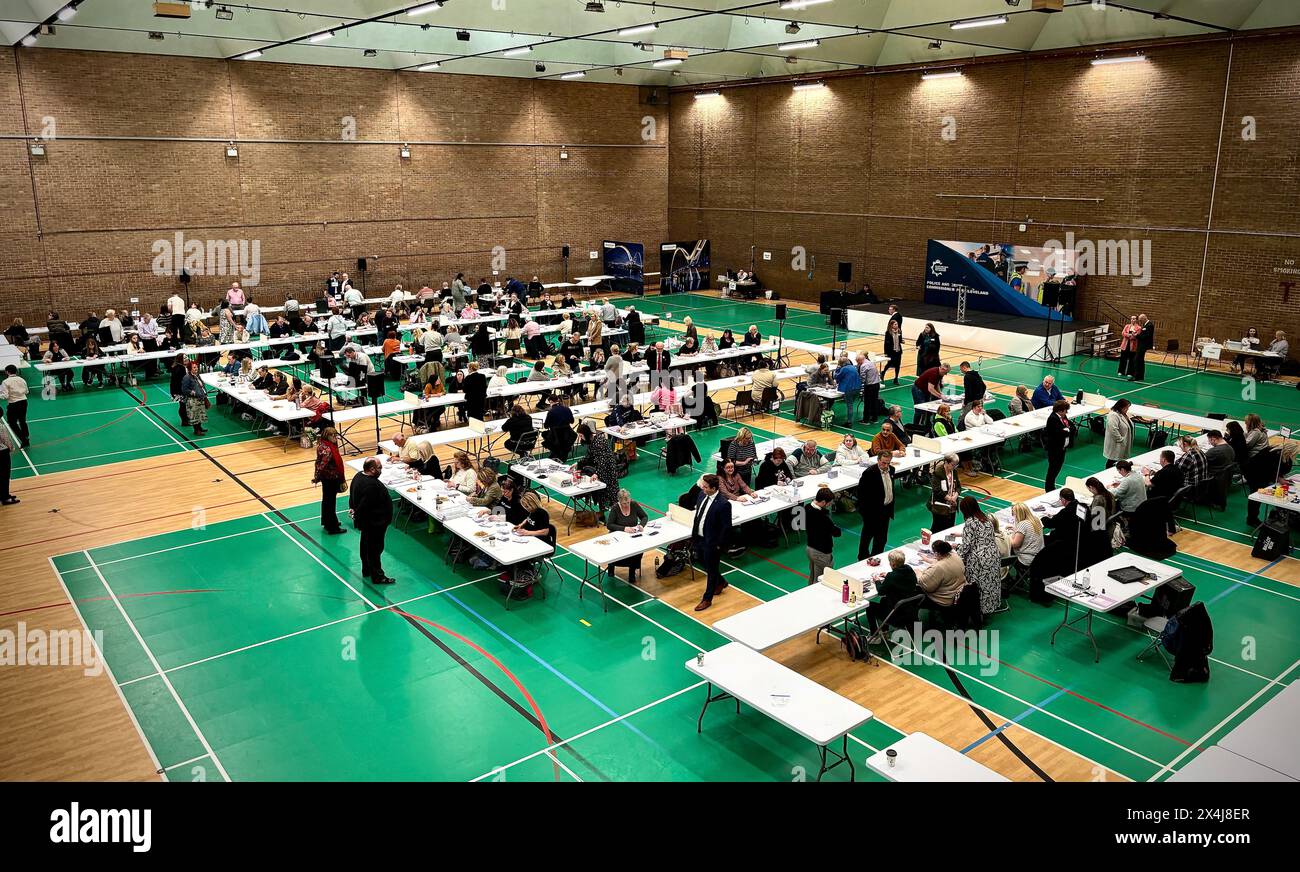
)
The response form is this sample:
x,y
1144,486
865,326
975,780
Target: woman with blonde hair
x,y
743,452
943,424
595,332
1026,534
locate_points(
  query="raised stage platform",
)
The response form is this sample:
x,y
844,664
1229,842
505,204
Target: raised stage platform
x,y
989,332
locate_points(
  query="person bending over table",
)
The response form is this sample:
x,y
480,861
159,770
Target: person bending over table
x,y
626,514
927,387
419,454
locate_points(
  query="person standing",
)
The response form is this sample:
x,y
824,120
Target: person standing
x,y
6,465
876,505
973,391
1118,442
822,532
1057,437
945,488
1128,345
176,310
870,377
849,381
1146,340
709,533
371,508
14,388
893,350
195,394
330,475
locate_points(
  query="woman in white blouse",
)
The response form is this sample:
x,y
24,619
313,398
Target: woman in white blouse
x,y
463,476
848,453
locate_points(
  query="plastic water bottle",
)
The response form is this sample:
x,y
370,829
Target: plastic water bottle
x,y
844,592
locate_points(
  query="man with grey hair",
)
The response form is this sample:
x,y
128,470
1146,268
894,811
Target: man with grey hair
x,y
897,585
808,460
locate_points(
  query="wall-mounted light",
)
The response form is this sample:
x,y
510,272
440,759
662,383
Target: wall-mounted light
x,y
703,95
948,74
405,152
232,150
809,86
1118,59
564,153
66,13
29,40
370,53
36,148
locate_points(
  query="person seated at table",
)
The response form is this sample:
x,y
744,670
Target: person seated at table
x,y
571,351
633,354
774,470
595,360
559,436
726,340
752,336
1192,461
1235,435
566,326
546,304
848,452
1256,435
446,311
92,351
499,379
418,454
567,301
690,345
1021,402
897,585
539,373
887,440
1026,537
1167,479
463,477
311,400
623,413
535,521
487,489
821,376
1131,490
943,424
943,576
511,506
708,345
763,378
518,428
1279,346
1047,393
808,460
731,482
55,354
1219,457
894,417
626,515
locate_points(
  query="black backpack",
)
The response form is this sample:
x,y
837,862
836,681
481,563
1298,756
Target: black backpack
x,y
1157,439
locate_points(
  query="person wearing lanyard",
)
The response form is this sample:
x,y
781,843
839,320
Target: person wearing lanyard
x,y
709,536
945,487
1057,437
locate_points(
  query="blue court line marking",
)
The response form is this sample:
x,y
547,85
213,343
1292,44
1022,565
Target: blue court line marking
x,y
1017,719
1221,594
547,666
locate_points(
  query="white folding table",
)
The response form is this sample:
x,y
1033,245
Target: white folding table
x,y
924,759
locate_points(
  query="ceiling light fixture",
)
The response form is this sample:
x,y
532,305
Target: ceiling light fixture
x,y
792,27
949,74
540,67
512,52
321,37
978,22
225,13
424,8
427,67
66,13
250,56
370,53
29,40
640,28
462,35
595,6
795,46
801,4
809,86
1118,59
667,62
578,74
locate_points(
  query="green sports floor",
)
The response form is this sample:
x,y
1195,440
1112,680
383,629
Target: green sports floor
x,y
253,649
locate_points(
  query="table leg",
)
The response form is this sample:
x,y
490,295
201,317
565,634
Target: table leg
x,y
710,696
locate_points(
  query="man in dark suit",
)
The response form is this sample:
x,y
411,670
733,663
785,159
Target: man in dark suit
x,y
1058,435
876,506
1145,342
709,534
371,507
475,388
895,315
659,360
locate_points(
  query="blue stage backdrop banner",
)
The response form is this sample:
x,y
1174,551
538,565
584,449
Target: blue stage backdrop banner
x,y
997,277
625,261
684,266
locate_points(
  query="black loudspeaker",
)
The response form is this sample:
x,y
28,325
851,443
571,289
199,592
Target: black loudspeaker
x,y
361,264
780,311
375,386
846,271
564,252
184,277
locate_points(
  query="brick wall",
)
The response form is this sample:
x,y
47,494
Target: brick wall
x,y
80,223
851,172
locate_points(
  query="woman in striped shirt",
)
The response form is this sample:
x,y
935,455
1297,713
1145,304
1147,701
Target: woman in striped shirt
x,y
743,453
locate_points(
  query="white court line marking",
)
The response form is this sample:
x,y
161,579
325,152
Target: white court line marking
x,y
332,623
158,668
143,410
1242,581
587,732
1201,741
16,441
346,583
130,713
185,763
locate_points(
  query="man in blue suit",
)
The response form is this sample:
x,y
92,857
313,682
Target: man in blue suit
x,y
709,533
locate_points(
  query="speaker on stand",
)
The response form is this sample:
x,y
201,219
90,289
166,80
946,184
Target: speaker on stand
x,y
845,274
375,388
361,268
185,280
